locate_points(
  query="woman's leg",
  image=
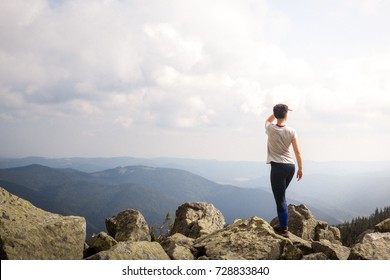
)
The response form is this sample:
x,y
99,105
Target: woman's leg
x,y
281,176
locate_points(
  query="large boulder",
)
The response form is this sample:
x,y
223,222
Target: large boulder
x,y
179,247
128,225
27,232
250,239
302,223
196,219
331,250
100,242
301,244
128,250
325,232
372,246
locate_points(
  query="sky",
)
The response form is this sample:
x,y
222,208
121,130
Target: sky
x,y
193,78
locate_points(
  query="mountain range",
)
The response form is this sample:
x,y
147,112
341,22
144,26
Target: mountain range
x,y
342,189
151,190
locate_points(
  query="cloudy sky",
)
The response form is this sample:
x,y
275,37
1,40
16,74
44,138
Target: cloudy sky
x,y
193,78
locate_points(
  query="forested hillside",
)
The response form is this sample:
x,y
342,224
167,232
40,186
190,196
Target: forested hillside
x,y
351,230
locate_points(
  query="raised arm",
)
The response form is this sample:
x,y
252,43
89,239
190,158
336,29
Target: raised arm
x,y
298,156
270,120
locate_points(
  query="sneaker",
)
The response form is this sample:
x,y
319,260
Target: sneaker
x,y
283,231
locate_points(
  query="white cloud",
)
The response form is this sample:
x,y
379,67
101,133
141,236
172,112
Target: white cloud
x,y
180,52
213,68
368,7
125,122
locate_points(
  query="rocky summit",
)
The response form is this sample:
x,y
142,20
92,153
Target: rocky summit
x,y
199,232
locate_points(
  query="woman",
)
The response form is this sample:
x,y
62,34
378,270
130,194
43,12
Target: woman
x,y
280,138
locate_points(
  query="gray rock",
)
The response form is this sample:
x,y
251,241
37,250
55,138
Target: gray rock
x,y
251,239
383,226
196,219
325,232
179,247
373,246
128,225
331,250
315,257
372,236
27,232
128,250
301,244
100,242
303,224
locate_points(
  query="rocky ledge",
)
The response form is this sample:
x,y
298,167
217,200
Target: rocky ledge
x,y
199,232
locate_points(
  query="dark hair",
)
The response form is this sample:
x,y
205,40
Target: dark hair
x,y
280,111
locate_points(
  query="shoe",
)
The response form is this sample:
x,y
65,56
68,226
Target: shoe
x,y
283,231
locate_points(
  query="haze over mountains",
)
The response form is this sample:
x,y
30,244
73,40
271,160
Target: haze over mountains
x,y
153,191
97,188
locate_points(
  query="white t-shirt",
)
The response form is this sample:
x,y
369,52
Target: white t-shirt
x,y
279,141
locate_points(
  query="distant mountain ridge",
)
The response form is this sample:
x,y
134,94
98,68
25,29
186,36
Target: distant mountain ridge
x,y
342,189
154,191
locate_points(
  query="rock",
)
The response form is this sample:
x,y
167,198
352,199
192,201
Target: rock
x,y
331,250
373,246
301,244
325,232
27,232
100,242
128,225
315,257
370,236
303,224
383,226
363,235
129,250
196,219
179,247
250,239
